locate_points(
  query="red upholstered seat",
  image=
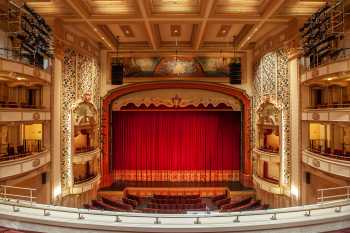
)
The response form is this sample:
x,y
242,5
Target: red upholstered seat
x,y
2,229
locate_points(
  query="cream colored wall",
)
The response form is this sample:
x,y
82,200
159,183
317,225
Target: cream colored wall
x,y
318,180
273,200
33,132
273,141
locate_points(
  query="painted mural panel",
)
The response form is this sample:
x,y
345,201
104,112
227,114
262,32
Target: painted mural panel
x,y
178,66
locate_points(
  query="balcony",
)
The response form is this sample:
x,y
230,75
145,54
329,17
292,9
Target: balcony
x,y
15,56
341,66
267,155
83,157
332,164
85,185
268,185
19,164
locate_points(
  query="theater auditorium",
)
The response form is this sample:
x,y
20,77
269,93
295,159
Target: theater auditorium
x,y
174,116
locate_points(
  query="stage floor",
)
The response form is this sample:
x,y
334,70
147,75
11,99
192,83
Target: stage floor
x,y
205,189
120,186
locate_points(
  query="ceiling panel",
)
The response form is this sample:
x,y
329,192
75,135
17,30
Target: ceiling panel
x,y
268,30
50,7
111,7
238,6
185,35
300,7
138,31
175,6
211,34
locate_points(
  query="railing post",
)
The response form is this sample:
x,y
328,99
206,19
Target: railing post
x,y
46,212
197,221
157,221
321,195
274,216
80,216
15,209
307,213
236,219
117,219
5,191
31,196
348,192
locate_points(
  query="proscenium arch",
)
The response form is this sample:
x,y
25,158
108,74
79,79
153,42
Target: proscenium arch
x,y
246,172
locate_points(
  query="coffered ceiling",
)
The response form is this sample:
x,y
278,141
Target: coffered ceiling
x,y
157,25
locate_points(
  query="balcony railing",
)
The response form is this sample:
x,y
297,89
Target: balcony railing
x,y
84,179
328,194
334,105
15,55
336,154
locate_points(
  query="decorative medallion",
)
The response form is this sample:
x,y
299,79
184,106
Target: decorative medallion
x,y
36,116
315,116
36,162
316,163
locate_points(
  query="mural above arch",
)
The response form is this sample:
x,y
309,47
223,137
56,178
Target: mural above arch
x,y
181,66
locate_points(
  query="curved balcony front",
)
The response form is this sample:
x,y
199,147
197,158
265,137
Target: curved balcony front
x,y
84,157
86,185
329,164
268,185
23,164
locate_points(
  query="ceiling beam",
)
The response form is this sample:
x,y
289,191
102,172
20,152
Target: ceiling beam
x,y
148,25
172,19
79,7
200,31
108,34
269,11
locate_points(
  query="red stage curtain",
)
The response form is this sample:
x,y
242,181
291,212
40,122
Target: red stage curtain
x,y
176,140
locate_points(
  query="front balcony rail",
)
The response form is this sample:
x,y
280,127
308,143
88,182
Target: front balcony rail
x,y
16,55
329,106
54,213
7,191
328,194
80,150
336,154
85,179
269,150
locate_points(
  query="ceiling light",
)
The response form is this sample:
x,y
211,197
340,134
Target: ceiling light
x,y
20,78
175,31
329,79
223,31
127,32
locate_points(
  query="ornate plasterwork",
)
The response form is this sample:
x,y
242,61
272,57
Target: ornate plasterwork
x,y
177,98
80,78
271,84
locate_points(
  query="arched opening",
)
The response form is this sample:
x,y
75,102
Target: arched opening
x,y
245,166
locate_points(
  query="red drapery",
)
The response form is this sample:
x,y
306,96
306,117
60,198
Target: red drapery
x,y
151,143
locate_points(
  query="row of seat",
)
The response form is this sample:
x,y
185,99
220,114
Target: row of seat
x,y
251,205
194,207
168,197
235,204
118,204
163,211
131,202
177,201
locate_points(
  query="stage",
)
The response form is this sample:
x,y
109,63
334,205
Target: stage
x,y
204,189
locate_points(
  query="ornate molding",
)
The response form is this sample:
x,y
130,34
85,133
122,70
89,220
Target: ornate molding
x,y
177,98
